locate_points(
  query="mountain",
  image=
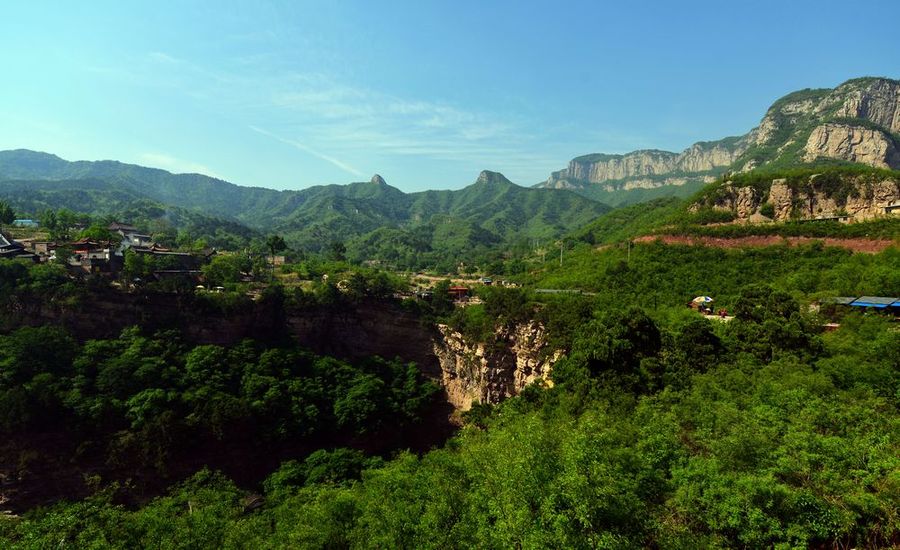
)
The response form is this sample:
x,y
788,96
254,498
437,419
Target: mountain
x,y
490,211
859,122
111,200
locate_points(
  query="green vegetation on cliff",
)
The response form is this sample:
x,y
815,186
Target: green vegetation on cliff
x,y
762,432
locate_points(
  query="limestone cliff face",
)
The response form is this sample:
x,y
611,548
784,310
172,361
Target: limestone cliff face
x,y
814,122
822,121
877,101
743,201
860,199
633,170
475,373
470,372
702,157
614,167
852,143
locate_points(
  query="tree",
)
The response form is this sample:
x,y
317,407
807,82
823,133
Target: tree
x,y
337,251
758,302
275,244
7,215
618,342
47,219
98,233
137,265
226,269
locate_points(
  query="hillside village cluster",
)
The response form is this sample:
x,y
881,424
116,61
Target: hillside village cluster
x,y
106,258
89,256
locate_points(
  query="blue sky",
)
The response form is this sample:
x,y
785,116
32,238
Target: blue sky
x,y
292,94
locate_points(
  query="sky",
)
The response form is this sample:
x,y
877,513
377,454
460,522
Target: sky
x,y
297,93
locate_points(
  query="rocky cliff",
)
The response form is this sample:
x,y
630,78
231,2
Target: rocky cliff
x,y
855,198
478,373
470,372
854,122
858,121
854,144
631,171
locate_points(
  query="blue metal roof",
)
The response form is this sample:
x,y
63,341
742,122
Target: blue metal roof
x,y
876,301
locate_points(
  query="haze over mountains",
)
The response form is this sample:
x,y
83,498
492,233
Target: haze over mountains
x,y
858,121
489,211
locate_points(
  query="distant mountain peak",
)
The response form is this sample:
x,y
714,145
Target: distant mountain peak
x,y
492,178
378,180
858,121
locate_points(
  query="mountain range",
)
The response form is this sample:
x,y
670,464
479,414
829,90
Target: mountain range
x,y
858,121
490,211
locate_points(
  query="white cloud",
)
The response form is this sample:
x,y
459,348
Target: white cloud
x,y
314,113
305,148
162,57
176,165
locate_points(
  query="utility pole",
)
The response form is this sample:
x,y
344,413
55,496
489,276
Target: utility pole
x,y
560,253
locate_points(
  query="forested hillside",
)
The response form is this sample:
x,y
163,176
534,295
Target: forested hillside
x,y
372,220
662,428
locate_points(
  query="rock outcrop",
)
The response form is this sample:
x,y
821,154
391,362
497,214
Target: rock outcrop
x,y
852,143
478,373
743,201
818,123
632,170
857,198
823,122
782,199
470,372
877,101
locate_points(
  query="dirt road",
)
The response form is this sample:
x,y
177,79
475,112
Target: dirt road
x,y
869,246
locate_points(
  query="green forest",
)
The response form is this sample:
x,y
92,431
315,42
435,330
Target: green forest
x,y
433,275
662,429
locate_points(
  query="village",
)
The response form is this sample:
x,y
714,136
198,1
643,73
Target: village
x,y
99,256
125,246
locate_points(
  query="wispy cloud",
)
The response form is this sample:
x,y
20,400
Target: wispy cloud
x,y
305,148
176,165
315,112
162,57
358,119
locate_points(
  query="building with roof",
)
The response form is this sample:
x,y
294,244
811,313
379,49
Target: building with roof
x,y
886,303
94,256
458,293
10,249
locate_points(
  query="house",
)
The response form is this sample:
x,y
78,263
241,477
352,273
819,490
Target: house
x,y
893,208
94,256
12,249
458,293
117,227
130,236
883,303
171,260
25,223
42,250
844,218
